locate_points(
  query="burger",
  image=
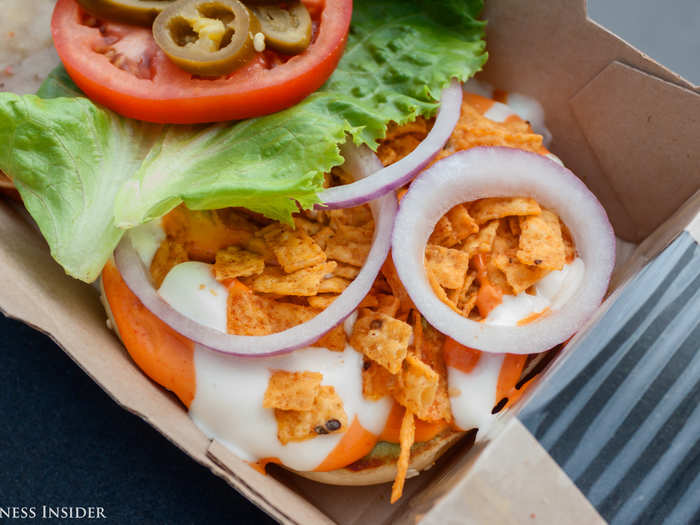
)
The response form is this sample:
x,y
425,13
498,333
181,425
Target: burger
x,y
338,256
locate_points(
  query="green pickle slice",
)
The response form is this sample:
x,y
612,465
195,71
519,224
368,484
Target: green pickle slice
x,y
138,12
287,30
208,38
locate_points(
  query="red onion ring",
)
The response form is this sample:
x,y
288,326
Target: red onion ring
x,y
383,180
490,172
138,280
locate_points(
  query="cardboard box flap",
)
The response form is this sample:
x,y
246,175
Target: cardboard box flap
x,y
665,119
551,51
513,481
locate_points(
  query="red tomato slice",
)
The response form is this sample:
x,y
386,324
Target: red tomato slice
x,y
121,67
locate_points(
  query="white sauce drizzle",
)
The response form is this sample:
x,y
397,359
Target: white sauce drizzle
x,y
477,390
191,289
146,239
230,390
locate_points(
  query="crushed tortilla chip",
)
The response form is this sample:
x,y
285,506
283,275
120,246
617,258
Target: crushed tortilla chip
x,y
443,233
292,390
284,315
541,243
322,301
321,238
485,210
433,356
382,338
416,386
294,249
170,253
257,244
236,262
360,234
377,381
518,275
346,271
333,285
246,313
407,435
326,416
302,282
474,129
349,252
481,242
335,339
514,226
307,226
463,225
395,285
449,266
370,301
355,216
388,304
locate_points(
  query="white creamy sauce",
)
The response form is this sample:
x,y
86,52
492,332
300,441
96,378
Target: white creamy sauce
x,y
191,289
228,402
499,112
477,390
146,239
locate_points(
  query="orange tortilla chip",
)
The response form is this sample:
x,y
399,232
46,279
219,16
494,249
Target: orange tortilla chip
x,y
397,289
257,244
302,282
322,301
348,252
481,242
170,253
443,233
355,216
519,276
333,285
377,381
326,416
407,436
307,226
447,265
334,340
416,386
284,315
292,390
236,262
359,234
485,210
463,225
246,313
382,338
388,304
321,238
432,355
346,271
541,243
294,249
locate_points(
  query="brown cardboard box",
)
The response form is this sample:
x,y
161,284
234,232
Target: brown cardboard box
x,y
626,125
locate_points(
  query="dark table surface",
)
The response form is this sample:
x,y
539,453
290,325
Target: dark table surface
x,y
64,442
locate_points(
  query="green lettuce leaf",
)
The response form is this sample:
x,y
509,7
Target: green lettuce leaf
x,y
87,174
